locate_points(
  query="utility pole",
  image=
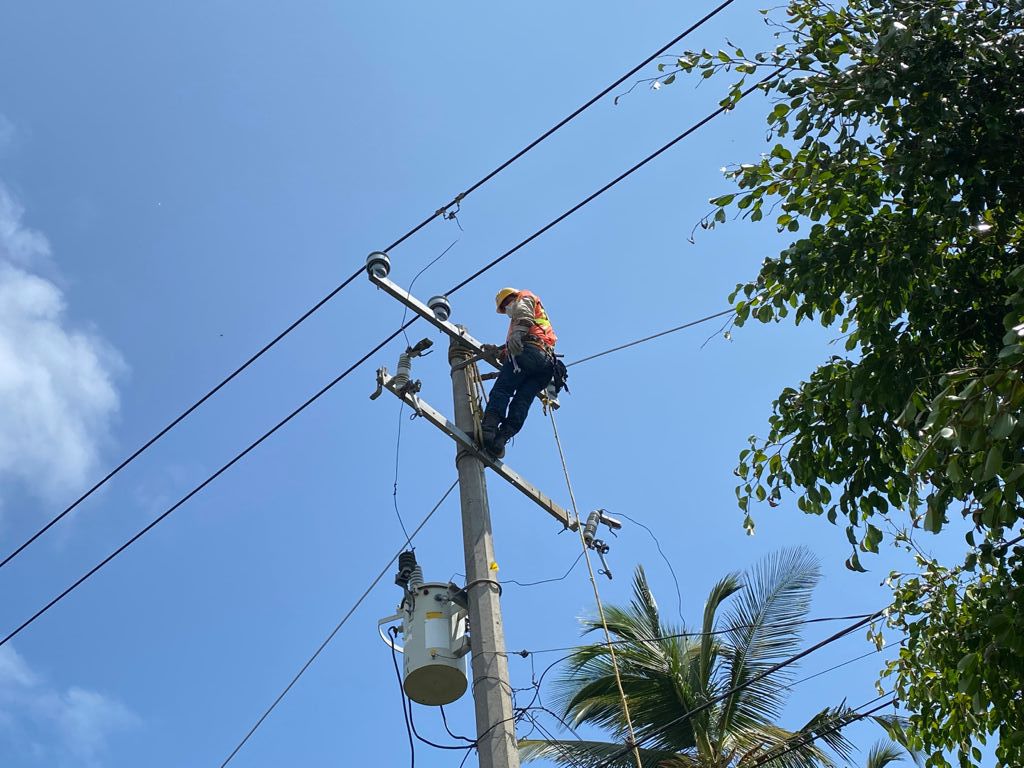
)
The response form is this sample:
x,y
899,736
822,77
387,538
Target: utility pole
x,y
490,687
492,692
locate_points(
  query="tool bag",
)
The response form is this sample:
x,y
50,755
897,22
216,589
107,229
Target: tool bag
x,y
560,379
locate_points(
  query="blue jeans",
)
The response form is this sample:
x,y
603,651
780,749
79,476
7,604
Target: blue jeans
x,y
513,391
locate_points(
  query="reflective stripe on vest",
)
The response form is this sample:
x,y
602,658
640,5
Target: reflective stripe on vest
x,y
541,328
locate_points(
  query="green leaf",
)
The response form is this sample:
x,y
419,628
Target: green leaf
x,y
871,539
1003,425
853,563
993,462
933,519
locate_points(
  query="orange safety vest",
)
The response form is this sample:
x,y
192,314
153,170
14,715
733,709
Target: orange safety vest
x,y
541,329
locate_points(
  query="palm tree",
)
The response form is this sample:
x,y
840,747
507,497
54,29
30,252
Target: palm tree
x,y
885,753
750,623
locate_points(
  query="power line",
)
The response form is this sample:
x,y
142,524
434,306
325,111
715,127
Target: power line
x,y
378,347
334,631
562,578
841,720
238,457
693,27
442,211
834,667
398,453
671,570
710,633
628,172
654,336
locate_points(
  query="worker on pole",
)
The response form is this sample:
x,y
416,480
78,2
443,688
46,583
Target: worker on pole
x,y
528,366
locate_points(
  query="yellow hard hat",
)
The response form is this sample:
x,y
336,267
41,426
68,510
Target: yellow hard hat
x,y
503,294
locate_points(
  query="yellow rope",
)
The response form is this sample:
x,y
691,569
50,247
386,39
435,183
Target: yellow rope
x,y
597,597
475,391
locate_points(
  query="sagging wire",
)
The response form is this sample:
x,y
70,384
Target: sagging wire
x,y
401,404
675,579
597,597
407,705
547,581
444,720
567,755
394,487
432,262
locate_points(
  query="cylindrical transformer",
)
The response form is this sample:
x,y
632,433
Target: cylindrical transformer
x,y
435,644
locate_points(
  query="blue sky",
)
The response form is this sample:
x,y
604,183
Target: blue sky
x,y
179,182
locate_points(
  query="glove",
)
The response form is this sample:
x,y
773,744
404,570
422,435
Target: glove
x,y
515,344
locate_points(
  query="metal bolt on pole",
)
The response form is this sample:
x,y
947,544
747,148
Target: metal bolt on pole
x,y
492,692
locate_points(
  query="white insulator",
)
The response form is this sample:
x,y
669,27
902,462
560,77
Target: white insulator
x,y
378,264
440,306
404,370
415,578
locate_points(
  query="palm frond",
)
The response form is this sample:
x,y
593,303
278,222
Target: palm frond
x,y
656,668
644,603
895,726
583,754
826,727
883,753
774,747
764,631
727,586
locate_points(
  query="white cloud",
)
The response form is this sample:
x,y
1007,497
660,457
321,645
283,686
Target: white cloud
x,y
56,382
46,724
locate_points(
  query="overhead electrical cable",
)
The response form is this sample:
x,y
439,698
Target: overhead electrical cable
x,y
838,722
238,457
442,211
373,351
724,631
664,557
628,172
652,337
337,627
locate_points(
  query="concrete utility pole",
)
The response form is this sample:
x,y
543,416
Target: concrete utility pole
x,y
495,727
492,692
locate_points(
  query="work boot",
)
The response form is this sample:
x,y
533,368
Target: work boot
x,y
496,446
489,431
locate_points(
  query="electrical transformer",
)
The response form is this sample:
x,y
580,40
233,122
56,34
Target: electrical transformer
x,y
434,642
